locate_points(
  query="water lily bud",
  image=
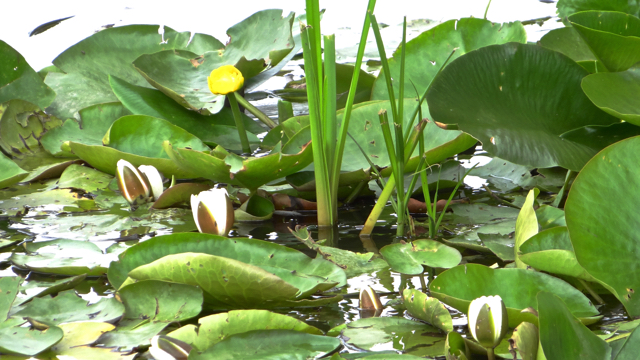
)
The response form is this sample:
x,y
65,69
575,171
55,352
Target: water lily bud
x,y
131,182
154,180
166,348
212,211
369,299
225,79
488,321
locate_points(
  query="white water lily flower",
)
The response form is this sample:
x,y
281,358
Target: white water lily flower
x,y
212,211
132,183
488,320
166,348
154,180
369,299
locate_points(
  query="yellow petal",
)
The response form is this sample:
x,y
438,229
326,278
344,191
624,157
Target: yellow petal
x,y
225,79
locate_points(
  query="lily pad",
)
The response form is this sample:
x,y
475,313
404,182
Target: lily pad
x,y
12,173
84,178
526,226
426,53
600,206
63,257
26,341
215,328
45,202
86,65
20,81
613,93
568,7
551,251
409,258
614,37
150,306
269,344
458,286
94,122
427,309
68,307
77,340
562,336
569,42
487,91
180,193
507,176
212,129
268,256
406,336
183,76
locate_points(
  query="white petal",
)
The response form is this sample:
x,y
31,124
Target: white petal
x,y
138,186
194,210
154,180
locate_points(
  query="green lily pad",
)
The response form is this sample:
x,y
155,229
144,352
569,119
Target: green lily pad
x,y
215,328
486,92
630,347
229,283
613,93
10,286
551,251
428,309
50,171
458,286
105,158
599,137
600,206
614,37
507,176
11,173
562,336
212,129
525,340
526,226
94,122
426,53
179,193
20,81
63,257
150,306
26,341
501,245
143,135
409,337
549,217
183,76
568,7
87,64
84,178
77,340
22,124
45,202
37,289
268,256
256,208
221,166
569,42
269,344
409,258
68,307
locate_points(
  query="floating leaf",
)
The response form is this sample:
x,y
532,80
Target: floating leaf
x,y
427,309
409,258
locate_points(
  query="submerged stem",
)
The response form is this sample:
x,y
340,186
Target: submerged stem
x,y
255,111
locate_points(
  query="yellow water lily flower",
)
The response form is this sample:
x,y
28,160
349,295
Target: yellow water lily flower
x,y
225,79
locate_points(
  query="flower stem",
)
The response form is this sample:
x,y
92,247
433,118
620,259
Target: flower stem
x,y
239,124
255,111
490,354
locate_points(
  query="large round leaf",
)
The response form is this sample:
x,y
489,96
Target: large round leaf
x,y
562,337
250,251
426,53
11,172
616,93
269,344
568,7
26,341
518,99
18,80
144,135
215,328
87,64
614,37
601,216
518,288
427,309
409,258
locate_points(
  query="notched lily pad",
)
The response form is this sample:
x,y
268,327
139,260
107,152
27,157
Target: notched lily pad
x,y
409,258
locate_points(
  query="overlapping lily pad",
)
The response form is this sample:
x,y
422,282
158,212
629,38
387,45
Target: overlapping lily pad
x,y
458,286
517,100
426,54
234,273
427,309
182,76
215,328
601,222
20,81
410,258
12,173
